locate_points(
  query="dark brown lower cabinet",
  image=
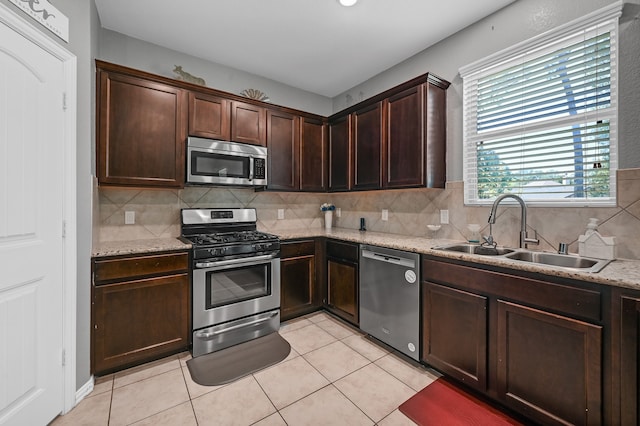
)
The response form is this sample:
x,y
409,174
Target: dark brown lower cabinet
x,y
549,366
139,312
629,360
454,335
299,293
535,345
342,280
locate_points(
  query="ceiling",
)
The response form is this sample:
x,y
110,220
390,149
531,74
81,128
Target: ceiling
x,y
315,45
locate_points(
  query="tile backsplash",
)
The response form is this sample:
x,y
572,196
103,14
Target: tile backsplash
x,y
157,213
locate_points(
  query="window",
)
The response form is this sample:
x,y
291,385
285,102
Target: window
x,y
540,119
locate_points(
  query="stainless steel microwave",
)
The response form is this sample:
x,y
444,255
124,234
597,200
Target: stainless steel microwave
x,y
217,162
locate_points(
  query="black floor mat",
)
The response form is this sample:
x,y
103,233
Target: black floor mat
x,y
232,363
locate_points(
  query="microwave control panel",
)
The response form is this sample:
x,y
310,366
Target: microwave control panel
x,y
259,168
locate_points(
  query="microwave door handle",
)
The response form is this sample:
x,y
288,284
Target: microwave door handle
x,y
251,161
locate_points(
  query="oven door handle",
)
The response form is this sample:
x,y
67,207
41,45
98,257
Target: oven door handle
x,y
208,335
244,260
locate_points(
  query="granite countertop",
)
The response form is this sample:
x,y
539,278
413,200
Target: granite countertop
x,y
117,248
619,273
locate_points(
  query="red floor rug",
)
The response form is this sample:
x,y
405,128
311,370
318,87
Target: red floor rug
x,y
443,403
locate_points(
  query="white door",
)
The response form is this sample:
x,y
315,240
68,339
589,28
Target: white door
x,y
31,241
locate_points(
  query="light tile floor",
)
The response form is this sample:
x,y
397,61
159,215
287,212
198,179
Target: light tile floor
x,y
333,376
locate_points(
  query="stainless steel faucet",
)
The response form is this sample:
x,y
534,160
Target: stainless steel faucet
x,y
524,240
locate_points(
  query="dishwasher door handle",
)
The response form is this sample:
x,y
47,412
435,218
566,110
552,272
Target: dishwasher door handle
x,y
408,263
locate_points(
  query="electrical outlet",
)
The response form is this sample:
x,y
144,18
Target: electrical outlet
x,y
338,212
129,217
280,214
444,216
385,214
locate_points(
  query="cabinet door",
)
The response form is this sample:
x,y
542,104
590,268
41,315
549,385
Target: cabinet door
x,y
136,321
342,287
297,278
339,154
454,333
283,143
141,132
367,147
313,155
209,116
549,366
248,123
630,361
404,154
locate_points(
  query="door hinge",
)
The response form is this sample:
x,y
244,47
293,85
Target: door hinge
x,y
64,229
64,101
64,358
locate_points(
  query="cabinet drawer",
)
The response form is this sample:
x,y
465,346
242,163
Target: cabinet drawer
x,y
342,250
579,302
139,266
297,248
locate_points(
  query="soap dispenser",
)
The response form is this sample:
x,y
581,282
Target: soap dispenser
x,y
592,244
592,226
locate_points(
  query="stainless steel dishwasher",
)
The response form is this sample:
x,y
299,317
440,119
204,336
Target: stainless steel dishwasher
x,y
390,297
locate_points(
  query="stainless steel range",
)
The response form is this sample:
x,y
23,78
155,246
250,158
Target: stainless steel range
x,y
235,277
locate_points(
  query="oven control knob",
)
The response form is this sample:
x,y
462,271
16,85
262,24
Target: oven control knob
x,y
216,251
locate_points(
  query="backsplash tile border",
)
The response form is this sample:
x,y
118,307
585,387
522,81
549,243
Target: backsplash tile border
x,y
410,211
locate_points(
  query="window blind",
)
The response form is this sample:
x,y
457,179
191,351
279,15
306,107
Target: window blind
x,y
540,120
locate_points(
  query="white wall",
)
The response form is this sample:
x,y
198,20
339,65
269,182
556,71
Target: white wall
x,y
519,21
121,49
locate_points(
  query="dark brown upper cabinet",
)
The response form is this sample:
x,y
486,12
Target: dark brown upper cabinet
x,y
283,144
404,153
398,138
313,155
209,116
340,154
141,130
367,147
248,123
435,155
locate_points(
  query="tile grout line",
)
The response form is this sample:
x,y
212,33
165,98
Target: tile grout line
x,y
113,381
148,378
193,409
335,338
332,382
269,398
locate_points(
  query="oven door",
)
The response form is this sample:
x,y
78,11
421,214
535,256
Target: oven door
x,y
231,289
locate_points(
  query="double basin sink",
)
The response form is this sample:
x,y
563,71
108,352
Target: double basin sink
x,y
565,261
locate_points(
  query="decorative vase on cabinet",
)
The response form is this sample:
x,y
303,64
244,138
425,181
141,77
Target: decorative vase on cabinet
x,y
328,209
328,219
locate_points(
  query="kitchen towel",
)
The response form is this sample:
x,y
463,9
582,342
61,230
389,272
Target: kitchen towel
x,y
227,365
443,403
